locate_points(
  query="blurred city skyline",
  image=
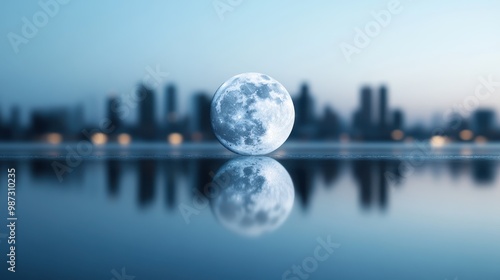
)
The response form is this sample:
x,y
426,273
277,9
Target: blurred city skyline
x,y
134,118
431,54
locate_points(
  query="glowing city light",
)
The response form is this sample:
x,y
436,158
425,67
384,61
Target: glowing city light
x,y
466,135
124,139
481,140
397,135
438,141
175,138
99,138
53,138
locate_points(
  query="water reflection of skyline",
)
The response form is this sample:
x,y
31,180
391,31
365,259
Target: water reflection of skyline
x,y
135,202
175,175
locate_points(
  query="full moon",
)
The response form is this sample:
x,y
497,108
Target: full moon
x,y
252,114
256,196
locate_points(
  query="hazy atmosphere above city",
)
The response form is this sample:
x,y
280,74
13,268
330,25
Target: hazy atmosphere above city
x,y
430,57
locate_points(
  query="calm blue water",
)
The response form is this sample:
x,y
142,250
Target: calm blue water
x,y
386,215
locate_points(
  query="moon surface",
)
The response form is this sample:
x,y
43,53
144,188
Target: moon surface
x,y
257,195
252,114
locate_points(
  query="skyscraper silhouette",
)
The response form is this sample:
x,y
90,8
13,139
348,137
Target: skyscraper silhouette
x,y
483,121
202,125
171,105
112,113
147,124
304,114
3,134
366,113
15,123
305,106
329,125
397,119
382,113
54,120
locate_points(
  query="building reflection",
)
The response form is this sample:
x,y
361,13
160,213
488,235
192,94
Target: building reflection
x,y
363,174
303,179
203,170
113,170
483,172
457,167
329,170
146,181
171,179
373,178
48,170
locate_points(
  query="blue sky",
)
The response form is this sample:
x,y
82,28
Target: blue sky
x,y
430,54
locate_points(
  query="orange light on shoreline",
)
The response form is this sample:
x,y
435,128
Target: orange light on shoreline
x,y
124,139
481,140
397,135
53,138
466,135
175,139
438,141
99,138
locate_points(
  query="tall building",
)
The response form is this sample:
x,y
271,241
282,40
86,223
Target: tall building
x,y
15,122
201,115
49,121
305,121
112,113
382,108
356,121
329,125
78,119
366,112
171,104
483,122
3,132
397,120
304,107
147,123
